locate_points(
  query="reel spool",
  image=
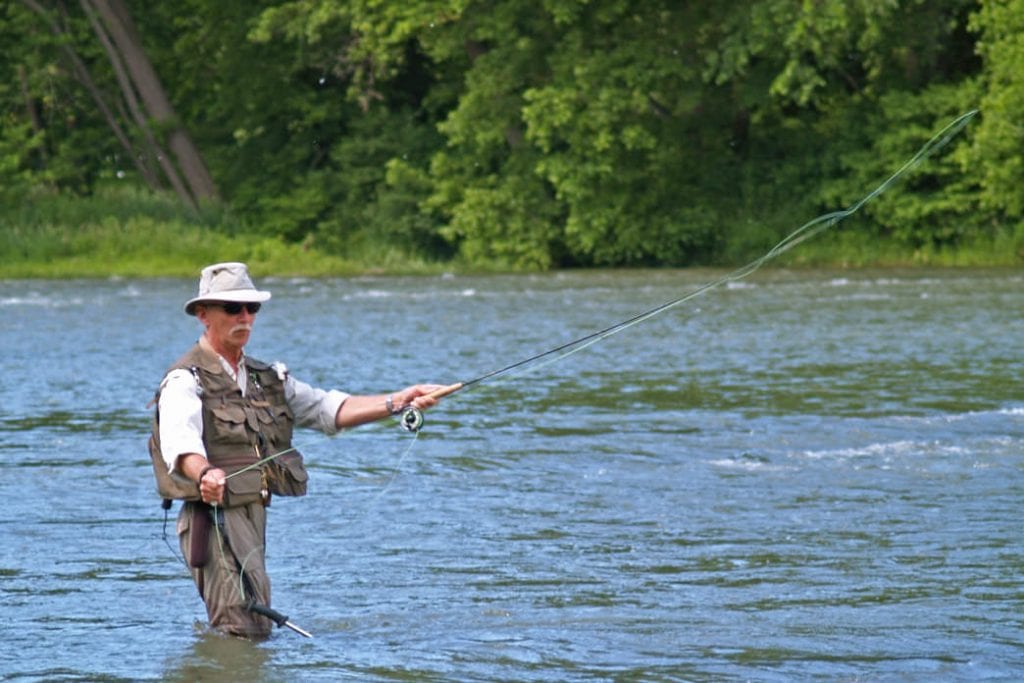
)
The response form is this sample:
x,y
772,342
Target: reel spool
x,y
411,419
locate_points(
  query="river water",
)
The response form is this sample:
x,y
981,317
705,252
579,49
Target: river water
x,y
803,476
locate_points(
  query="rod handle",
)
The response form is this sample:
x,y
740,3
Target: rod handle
x,y
444,391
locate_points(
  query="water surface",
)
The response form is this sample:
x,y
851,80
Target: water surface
x,y
806,475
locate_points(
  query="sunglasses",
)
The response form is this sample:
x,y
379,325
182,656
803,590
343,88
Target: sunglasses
x,y
234,307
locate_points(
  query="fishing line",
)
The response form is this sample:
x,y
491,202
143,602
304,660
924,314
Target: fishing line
x,y
222,557
387,485
396,469
261,462
411,418
249,602
167,541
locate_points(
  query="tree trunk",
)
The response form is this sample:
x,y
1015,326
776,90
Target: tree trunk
x,y
155,152
31,109
81,72
145,80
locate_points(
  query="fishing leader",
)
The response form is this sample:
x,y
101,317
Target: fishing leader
x,y
222,443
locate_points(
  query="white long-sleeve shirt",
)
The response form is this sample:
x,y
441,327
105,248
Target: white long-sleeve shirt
x,y
181,409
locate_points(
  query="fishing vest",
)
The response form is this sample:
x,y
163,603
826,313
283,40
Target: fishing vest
x,y
239,431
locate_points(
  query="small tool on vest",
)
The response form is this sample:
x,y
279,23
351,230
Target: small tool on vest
x,y
264,485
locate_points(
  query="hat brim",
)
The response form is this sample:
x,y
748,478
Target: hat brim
x,y
242,296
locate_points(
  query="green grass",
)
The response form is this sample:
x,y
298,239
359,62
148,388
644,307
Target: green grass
x,y
850,248
132,233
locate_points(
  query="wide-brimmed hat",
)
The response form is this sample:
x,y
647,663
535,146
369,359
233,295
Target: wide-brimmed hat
x,y
226,282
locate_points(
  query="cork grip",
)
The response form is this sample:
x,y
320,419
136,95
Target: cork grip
x,y
444,391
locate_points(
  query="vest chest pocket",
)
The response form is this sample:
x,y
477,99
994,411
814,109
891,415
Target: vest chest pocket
x,y
227,426
276,424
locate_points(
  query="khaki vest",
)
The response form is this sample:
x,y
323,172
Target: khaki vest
x,y
238,431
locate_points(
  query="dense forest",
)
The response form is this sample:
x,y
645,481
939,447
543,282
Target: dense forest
x,y
519,134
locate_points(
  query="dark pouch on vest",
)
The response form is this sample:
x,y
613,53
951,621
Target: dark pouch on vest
x,y
199,539
243,488
286,475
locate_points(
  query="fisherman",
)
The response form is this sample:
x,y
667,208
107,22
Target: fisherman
x,y
221,419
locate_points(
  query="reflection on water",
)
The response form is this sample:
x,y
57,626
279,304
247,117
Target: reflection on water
x,y
220,659
808,475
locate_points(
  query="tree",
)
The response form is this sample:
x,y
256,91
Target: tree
x,y
524,134
142,93
611,132
125,49
1000,137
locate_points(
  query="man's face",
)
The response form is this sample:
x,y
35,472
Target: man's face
x,y
228,325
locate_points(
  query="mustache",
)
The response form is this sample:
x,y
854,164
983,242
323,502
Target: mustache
x,y
240,327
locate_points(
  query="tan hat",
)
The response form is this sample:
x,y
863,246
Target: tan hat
x,y
226,282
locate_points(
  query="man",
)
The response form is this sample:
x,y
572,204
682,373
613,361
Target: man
x,y
222,442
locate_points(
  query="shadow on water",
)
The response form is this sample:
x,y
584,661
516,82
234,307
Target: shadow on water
x,y
214,658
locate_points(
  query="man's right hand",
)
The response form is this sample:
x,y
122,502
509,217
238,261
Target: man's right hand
x,y
211,486
209,478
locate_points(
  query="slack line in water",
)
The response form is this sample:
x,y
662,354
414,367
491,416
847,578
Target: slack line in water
x,y
411,418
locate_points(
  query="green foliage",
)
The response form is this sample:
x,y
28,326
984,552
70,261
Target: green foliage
x,y
51,134
609,126
516,134
18,146
937,202
1000,135
817,54
373,201
505,222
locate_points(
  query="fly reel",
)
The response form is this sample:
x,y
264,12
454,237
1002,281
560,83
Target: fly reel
x,y
411,419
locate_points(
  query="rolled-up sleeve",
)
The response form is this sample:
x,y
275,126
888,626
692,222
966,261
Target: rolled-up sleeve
x,y
181,417
312,407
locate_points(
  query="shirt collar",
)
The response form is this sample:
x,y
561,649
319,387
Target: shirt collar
x,y
241,377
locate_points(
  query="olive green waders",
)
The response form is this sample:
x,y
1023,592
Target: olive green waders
x,y
234,573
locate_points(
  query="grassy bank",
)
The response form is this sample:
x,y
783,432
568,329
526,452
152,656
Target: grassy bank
x,y
129,233
142,247
845,247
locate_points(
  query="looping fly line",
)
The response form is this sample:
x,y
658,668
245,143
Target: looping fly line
x,y
412,418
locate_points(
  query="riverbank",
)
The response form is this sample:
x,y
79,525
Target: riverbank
x,y
130,233
139,235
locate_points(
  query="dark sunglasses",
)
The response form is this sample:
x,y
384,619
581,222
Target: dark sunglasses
x,y
234,307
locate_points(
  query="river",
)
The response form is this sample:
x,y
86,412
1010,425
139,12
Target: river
x,y
806,475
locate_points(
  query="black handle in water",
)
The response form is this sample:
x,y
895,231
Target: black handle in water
x,y
276,617
269,613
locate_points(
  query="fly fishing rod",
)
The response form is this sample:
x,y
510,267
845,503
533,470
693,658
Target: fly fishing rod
x,y
411,418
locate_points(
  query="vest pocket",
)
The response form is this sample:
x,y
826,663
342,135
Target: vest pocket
x,y
275,423
229,427
244,488
286,475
